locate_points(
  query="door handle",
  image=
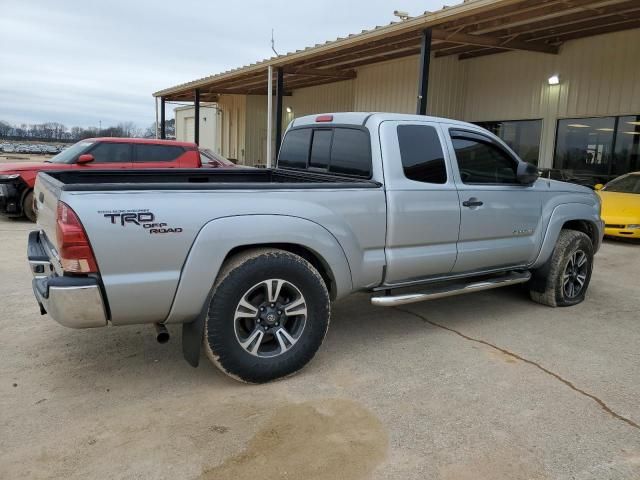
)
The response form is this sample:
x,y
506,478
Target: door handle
x,y
472,202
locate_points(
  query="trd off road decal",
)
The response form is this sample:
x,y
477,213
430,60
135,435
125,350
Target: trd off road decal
x,y
141,218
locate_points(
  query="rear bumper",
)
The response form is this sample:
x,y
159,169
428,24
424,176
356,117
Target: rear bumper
x,y
74,302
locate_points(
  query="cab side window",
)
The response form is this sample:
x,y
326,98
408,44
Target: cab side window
x,y
109,152
157,153
481,161
421,154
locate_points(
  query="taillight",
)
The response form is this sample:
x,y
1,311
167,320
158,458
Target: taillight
x,y
75,251
324,118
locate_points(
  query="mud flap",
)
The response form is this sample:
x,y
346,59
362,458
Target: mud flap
x,y
192,334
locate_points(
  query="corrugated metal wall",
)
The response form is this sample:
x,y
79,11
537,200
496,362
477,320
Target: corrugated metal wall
x,y
393,86
333,97
233,126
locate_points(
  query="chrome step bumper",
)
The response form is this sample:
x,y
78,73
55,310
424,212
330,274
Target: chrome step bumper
x,y
452,289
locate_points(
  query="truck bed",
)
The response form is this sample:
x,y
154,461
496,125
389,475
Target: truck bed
x,y
199,179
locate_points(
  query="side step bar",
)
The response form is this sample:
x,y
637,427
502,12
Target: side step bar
x,y
451,290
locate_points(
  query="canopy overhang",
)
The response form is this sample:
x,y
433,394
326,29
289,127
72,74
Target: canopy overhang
x,y
468,30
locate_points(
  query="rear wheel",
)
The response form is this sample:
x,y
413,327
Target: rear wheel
x,y
268,315
564,281
27,207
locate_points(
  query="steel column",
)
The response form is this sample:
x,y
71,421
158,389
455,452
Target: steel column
x,y
279,95
196,123
163,131
423,76
269,114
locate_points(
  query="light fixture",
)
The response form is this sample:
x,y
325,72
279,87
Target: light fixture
x,y
632,133
289,110
554,80
401,15
605,129
633,123
578,125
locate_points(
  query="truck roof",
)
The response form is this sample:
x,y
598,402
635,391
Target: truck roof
x,y
361,118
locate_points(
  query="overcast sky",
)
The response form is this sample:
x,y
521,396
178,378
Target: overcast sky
x,y
79,62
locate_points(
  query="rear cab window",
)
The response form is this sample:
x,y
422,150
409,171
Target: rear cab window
x,y
338,150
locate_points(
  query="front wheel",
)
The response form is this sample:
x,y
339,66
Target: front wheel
x,y
564,281
268,315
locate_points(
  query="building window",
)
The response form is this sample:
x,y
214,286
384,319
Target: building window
x,y
626,153
523,136
605,146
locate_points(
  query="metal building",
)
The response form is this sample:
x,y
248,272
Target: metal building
x,y
559,80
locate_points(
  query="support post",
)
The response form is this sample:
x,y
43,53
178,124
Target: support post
x,y
279,95
269,113
163,131
423,76
156,129
196,122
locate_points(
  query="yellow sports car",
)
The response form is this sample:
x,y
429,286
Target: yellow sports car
x,y
621,206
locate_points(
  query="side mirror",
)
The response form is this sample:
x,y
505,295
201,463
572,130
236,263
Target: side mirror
x,y
84,159
527,173
598,186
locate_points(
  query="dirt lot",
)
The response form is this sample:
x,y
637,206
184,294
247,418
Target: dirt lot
x,y
487,386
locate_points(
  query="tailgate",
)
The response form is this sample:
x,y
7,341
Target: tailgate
x,y
46,195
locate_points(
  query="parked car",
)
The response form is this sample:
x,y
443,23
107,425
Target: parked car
x,y
209,158
621,206
409,208
580,178
17,179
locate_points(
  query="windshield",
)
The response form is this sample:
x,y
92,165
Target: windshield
x,y
69,155
626,184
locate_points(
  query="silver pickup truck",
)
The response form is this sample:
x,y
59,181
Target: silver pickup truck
x,y
409,208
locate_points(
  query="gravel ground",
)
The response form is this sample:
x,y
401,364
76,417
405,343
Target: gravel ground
x,y
486,386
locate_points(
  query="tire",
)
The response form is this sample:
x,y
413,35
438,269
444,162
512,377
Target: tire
x,y
257,339
27,207
564,280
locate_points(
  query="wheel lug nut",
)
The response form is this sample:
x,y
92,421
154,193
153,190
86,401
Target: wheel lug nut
x,y
277,324
262,309
273,305
259,320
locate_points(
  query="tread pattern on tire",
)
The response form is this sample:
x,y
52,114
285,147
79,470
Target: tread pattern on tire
x,y
230,266
549,296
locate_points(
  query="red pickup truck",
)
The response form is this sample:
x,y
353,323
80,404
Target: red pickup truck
x,y
17,179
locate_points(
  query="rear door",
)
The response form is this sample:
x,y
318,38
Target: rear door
x,y
157,156
500,218
423,211
110,155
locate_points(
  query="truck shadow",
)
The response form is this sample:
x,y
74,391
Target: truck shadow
x,y
129,357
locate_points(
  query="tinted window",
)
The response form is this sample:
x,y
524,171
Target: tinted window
x,y
321,149
481,162
421,154
523,136
294,152
351,152
585,144
111,153
157,153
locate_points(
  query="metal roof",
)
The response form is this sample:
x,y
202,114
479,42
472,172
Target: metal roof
x,y
471,29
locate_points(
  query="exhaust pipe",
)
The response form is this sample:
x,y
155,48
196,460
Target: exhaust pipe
x,y
162,334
